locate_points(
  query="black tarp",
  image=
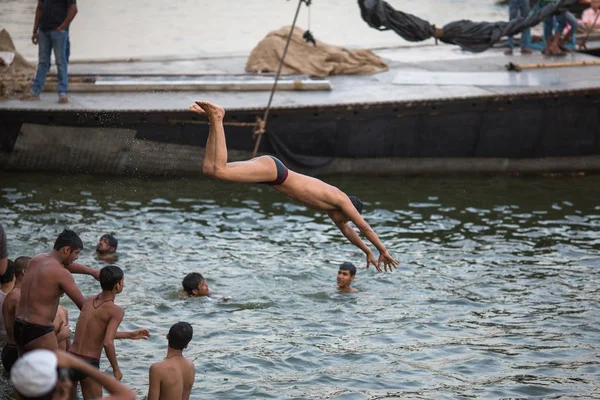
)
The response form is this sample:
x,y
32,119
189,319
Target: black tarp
x,y
469,35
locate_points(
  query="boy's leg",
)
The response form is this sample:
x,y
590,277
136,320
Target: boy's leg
x,y
59,43
44,52
90,389
260,169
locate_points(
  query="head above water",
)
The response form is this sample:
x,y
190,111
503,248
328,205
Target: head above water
x,y
21,264
9,274
356,203
195,285
111,277
107,244
345,275
180,335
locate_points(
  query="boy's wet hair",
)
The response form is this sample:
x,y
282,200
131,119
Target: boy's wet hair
x,y
356,203
180,335
112,241
348,266
110,276
9,274
191,282
68,238
21,264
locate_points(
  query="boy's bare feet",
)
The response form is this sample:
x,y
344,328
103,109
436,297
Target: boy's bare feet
x,y
63,99
526,50
210,109
508,52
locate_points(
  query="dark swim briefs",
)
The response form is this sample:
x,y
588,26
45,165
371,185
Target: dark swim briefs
x,y
77,375
282,173
25,332
9,356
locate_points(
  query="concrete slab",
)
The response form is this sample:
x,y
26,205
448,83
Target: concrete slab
x,y
347,90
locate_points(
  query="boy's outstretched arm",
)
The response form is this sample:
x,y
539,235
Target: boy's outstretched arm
x,y
384,257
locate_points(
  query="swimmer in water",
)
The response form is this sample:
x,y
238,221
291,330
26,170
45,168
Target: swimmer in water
x,y
306,190
106,248
345,277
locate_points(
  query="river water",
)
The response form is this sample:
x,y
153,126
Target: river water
x,y
117,29
497,294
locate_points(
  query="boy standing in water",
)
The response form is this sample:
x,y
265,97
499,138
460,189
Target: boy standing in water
x,y
9,308
345,277
173,378
97,328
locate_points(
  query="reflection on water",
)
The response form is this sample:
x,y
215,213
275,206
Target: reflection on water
x,y
496,296
118,29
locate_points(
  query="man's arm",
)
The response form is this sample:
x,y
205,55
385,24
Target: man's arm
x,y
3,252
154,386
109,341
70,15
189,382
36,21
68,285
117,390
76,268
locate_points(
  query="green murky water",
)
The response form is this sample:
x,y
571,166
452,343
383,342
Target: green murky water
x,y
497,295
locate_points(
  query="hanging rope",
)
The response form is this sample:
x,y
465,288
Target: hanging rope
x,y
261,124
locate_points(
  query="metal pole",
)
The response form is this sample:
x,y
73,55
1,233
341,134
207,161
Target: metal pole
x,y
266,115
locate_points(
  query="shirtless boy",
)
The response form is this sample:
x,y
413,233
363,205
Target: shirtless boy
x,y
173,378
9,308
97,328
309,191
106,248
47,279
345,277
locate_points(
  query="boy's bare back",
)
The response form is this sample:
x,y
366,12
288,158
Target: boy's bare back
x,y
174,376
92,325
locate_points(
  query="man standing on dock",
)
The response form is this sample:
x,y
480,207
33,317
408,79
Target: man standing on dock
x,y
306,190
519,8
50,31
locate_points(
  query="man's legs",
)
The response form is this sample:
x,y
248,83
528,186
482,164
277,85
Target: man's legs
x,y
513,9
526,34
260,169
44,51
59,42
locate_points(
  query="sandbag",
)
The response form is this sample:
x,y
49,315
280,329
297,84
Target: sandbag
x,y
304,58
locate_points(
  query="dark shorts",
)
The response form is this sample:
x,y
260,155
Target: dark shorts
x,y
77,375
282,173
25,332
9,356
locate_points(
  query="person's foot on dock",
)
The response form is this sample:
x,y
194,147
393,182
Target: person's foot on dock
x,y
63,99
209,109
508,52
29,96
526,50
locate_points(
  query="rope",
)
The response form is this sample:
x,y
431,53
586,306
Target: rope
x,y
260,125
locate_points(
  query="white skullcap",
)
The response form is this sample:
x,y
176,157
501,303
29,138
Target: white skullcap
x,y
35,373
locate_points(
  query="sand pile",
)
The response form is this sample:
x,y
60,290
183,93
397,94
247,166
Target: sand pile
x,y
17,77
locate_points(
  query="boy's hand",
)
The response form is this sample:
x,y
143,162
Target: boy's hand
x,y
388,262
371,260
118,374
138,334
